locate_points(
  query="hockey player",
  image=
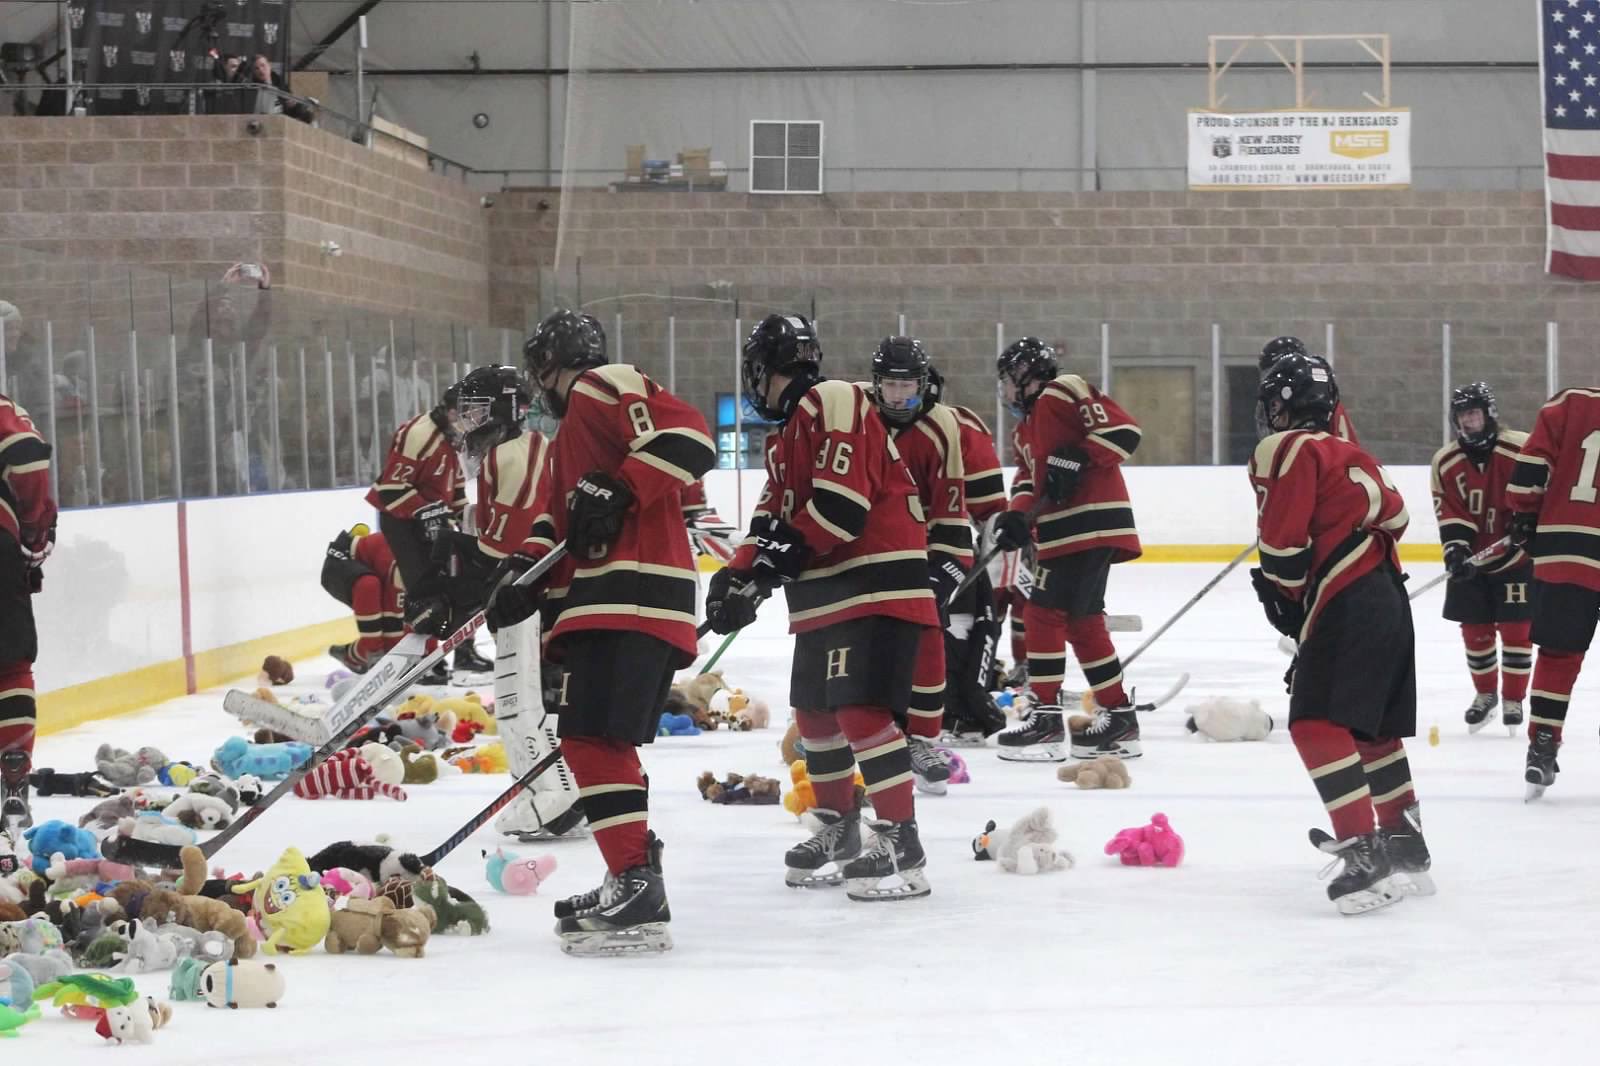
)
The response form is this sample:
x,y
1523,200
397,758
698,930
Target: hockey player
x,y
27,535
840,526
622,599
420,496
1073,440
1556,517
360,572
1329,519
1470,476
1276,349
971,637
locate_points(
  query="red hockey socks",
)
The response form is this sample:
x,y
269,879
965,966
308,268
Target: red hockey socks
x,y
366,599
880,748
17,712
830,763
1047,651
1389,779
925,715
1479,639
1554,674
1516,659
615,797
1330,757
1097,657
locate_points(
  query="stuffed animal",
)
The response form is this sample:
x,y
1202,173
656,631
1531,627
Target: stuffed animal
x,y
250,789
103,951
156,829
108,812
11,1020
242,983
184,906
959,773
73,877
336,676
196,810
465,732
791,747
405,931
803,796
737,789
1229,720
420,768
468,710
185,984
271,762
89,989
386,764
516,876
47,782
277,670
1026,848
44,967
677,725
397,890
56,837
292,909
32,936
148,951
1148,845
357,926
215,785
451,914
123,768
16,985
338,881
377,862
346,775
423,723
1107,771
210,946
178,774
487,759
137,1022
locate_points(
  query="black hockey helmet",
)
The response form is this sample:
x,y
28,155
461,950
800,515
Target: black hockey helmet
x,y
901,359
1477,396
935,391
1277,348
1297,392
489,405
780,344
565,340
1029,364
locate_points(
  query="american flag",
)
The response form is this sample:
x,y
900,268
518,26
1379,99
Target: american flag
x,y
1569,61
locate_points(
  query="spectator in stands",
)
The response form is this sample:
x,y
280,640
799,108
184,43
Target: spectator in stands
x,y
226,70
260,72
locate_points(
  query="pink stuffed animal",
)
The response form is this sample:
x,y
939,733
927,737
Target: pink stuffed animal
x,y
516,876
1148,845
347,882
959,774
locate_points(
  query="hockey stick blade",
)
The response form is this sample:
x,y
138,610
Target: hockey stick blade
x,y
307,729
1169,695
150,853
501,801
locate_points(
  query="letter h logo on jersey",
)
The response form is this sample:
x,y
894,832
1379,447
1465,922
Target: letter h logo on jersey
x,y
1517,592
1041,577
838,663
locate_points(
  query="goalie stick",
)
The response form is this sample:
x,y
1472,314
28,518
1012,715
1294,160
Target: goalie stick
x,y
149,853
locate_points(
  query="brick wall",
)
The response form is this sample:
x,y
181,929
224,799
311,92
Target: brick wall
x,y
1389,269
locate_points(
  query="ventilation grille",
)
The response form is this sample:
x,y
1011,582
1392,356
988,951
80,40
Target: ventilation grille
x,y
786,157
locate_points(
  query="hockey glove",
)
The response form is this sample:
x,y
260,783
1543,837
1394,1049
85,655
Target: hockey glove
x,y
510,604
47,782
595,512
781,552
1011,531
1062,470
731,601
428,615
1283,614
945,577
1521,529
434,518
1458,560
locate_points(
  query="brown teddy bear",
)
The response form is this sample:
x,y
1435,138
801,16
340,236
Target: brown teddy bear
x,y
1107,771
358,926
405,932
276,670
789,746
739,789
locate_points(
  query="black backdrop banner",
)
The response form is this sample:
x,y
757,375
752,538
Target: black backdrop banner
x,y
169,41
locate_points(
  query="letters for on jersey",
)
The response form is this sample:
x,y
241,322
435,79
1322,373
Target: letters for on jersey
x,y
1557,477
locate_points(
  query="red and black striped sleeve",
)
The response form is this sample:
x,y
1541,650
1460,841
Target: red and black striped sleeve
x,y
27,509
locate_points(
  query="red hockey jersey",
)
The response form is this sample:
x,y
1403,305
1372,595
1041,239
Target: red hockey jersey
x,y
835,474
1555,478
986,483
1327,514
931,448
508,484
421,469
620,422
1340,425
1470,501
27,509
1071,413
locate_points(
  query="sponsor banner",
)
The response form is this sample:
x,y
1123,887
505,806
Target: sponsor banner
x,y
1300,149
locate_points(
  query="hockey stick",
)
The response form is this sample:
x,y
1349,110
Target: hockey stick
x,y
1207,587
150,853
1476,558
983,561
706,669
501,801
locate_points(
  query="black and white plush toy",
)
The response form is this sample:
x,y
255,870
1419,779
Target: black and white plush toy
x,y
378,862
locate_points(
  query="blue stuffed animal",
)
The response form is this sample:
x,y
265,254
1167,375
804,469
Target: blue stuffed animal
x,y
272,762
48,838
677,725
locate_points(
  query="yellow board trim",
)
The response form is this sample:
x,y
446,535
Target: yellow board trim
x,y
147,686
1197,553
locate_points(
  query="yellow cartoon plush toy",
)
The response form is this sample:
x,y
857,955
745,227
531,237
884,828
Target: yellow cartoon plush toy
x,y
289,904
803,796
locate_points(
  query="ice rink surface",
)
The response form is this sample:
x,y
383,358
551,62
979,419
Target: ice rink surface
x,y
1234,957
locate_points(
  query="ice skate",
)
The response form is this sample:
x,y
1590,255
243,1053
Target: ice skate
x,y
15,812
629,917
1483,705
1408,853
1542,768
540,817
1511,716
836,843
1018,677
1366,880
439,675
471,668
930,769
566,908
345,655
1037,737
975,733
892,869
1111,732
